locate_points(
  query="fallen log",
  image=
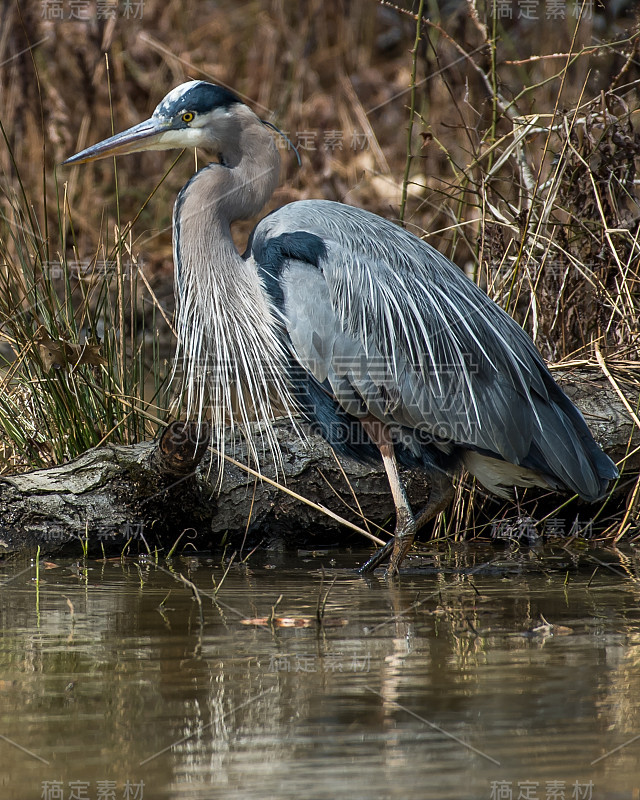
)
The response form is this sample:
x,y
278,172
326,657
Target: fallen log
x,y
147,495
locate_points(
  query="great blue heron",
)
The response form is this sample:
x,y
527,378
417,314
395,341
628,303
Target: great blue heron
x,y
348,320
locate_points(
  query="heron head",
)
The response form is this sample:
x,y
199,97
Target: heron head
x,y
194,114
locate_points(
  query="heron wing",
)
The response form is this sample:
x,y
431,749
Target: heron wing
x,y
398,331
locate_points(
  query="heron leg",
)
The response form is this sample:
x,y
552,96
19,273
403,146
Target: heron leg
x,y
405,529
440,495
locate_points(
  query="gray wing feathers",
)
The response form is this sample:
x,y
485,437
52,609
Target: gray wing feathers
x,y
400,332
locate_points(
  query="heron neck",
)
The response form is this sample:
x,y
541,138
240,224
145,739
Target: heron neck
x,y
248,173
216,196
229,343
208,265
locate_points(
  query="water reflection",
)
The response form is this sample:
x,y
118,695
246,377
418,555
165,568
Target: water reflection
x,y
447,685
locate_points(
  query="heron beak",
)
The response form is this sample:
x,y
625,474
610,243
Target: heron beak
x,y
147,135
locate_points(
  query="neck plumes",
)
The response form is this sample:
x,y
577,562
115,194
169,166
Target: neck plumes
x,y
229,347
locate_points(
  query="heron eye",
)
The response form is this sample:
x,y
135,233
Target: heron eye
x,y
187,116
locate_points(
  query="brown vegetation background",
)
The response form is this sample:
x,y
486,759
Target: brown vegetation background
x,y
339,71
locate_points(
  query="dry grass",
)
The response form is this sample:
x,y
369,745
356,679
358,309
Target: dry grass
x,y
522,166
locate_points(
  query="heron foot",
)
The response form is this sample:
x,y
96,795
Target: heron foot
x,y
377,558
403,538
397,548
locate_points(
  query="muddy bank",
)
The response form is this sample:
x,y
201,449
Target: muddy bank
x,y
147,495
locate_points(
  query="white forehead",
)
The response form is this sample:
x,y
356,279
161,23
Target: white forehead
x,y
173,97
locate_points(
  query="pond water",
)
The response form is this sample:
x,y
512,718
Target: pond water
x,y
116,683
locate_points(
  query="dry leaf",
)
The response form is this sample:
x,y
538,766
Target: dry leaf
x,y
295,622
60,354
